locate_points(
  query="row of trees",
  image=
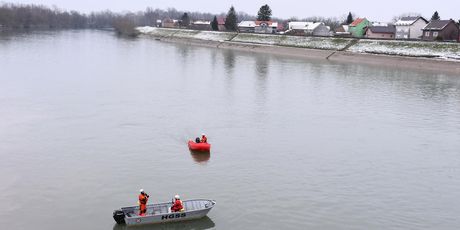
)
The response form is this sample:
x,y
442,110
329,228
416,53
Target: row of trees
x,y
18,16
28,16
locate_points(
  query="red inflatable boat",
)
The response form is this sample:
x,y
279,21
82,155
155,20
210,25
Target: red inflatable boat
x,y
199,146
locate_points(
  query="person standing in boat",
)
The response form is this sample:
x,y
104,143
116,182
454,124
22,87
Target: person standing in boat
x,y
143,198
204,139
177,204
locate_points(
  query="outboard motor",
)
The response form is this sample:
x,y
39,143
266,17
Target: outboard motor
x,y
119,216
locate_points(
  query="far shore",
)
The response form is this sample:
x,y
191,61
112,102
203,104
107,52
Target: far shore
x,y
400,62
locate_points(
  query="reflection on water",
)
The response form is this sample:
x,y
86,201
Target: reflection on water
x,y
96,117
183,50
229,61
262,64
200,157
200,224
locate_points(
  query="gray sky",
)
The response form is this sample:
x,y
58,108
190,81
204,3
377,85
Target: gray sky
x,y
373,10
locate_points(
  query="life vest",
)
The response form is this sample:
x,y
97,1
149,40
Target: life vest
x,y
143,199
177,206
204,139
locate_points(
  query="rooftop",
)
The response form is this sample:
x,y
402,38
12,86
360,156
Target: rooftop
x,y
383,29
407,21
357,21
437,24
304,25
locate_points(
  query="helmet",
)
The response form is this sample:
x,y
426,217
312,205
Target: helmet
x,y
177,197
142,190
203,134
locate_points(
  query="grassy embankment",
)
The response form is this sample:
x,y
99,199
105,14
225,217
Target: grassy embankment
x,y
447,51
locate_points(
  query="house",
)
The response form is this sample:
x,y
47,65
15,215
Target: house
x,y
379,24
200,25
280,27
221,24
247,26
170,23
342,31
357,27
442,30
266,27
410,27
381,32
308,28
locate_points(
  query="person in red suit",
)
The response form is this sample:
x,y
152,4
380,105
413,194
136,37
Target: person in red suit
x,y
204,139
143,198
177,204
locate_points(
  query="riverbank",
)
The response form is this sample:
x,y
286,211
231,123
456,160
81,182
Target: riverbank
x,y
436,57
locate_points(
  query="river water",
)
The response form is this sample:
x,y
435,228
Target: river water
x,y
88,118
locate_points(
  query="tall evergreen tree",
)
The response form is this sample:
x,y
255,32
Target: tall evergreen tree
x,y
185,20
435,16
231,20
349,18
215,24
265,13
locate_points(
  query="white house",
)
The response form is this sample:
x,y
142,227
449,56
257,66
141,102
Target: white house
x,y
247,26
342,31
410,27
309,28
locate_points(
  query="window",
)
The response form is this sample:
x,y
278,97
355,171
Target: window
x,y
427,33
435,34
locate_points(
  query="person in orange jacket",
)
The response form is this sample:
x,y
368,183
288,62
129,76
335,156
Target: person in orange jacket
x,y
204,139
177,204
143,198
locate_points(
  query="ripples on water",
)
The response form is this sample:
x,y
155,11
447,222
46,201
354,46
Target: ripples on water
x,y
86,119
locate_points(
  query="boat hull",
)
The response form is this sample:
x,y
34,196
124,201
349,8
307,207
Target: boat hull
x,y
160,213
167,217
202,147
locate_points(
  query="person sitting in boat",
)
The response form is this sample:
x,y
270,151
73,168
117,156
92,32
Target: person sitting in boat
x,y
204,139
197,140
177,204
143,198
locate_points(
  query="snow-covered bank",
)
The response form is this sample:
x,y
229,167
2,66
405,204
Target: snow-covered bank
x,y
279,40
187,34
447,51
331,46
324,43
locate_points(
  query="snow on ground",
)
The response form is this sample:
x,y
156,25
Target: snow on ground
x,y
257,38
441,50
294,41
409,48
215,36
157,32
315,42
187,34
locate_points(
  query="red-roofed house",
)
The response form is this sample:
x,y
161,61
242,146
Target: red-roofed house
x,y
357,28
169,23
266,27
221,23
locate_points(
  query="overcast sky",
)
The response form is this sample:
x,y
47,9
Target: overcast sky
x,y
373,10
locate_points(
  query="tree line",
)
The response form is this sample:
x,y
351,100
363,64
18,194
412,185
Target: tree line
x,y
20,16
